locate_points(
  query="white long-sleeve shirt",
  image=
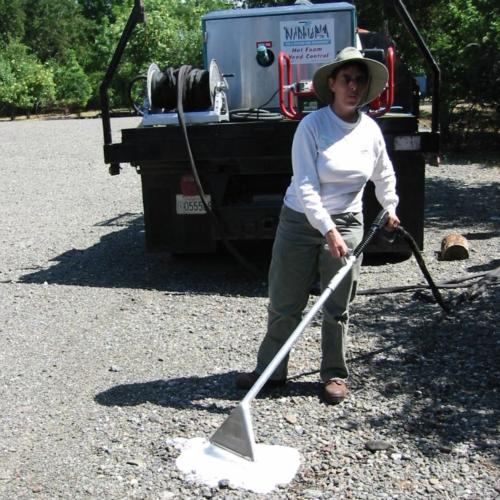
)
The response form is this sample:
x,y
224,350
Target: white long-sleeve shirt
x,y
332,160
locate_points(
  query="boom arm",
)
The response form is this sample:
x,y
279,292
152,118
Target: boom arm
x,y
136,16
402,12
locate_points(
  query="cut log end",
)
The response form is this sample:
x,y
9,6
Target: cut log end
x,y
454,247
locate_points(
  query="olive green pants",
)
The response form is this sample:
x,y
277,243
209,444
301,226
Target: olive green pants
x,y
300,252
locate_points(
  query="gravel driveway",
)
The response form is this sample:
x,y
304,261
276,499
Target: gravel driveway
x,y
108,353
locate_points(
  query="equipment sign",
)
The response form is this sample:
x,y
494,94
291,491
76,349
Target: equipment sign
x,y
308,42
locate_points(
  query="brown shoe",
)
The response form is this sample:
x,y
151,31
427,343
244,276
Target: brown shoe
x,y
247,380
335,391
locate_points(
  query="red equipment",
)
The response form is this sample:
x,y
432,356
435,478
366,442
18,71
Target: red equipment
x,y
383,103
288,89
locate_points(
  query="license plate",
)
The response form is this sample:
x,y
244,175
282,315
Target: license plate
x,y
190,205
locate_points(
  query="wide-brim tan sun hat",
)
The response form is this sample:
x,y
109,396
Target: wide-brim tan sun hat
x,y
377,75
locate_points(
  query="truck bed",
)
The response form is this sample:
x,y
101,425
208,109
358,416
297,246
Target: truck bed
x,y
246,167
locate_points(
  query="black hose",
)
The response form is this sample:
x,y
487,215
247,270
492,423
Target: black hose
x,y
401,231
181,80
136,107
453,283
253,114
195,89
374,228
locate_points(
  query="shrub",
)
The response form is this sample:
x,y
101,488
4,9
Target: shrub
x,y
26,84
73,88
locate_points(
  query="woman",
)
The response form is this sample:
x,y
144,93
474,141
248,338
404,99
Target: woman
x,y
335,151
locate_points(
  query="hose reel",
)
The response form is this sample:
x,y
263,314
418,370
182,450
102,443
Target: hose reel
x,y
203,95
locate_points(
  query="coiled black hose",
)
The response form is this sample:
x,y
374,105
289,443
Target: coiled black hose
x,y
254,114
258,113
195,89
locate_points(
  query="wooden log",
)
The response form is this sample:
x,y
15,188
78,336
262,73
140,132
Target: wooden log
x,y
454,247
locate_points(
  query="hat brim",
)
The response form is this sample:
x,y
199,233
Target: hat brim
x,y
377,81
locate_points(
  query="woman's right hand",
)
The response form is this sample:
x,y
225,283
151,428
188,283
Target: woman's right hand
x,y
336,243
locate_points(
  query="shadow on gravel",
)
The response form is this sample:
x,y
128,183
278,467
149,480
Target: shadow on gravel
x,y
441,372
451,204
190,392
120,261
495,263
445,369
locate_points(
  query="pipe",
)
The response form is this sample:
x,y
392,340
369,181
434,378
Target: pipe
x,y
289,112
390,83
386,98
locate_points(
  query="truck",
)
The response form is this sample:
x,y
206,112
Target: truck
x,y
214,144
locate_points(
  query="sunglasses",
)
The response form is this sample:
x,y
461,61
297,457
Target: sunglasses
x,y
360,80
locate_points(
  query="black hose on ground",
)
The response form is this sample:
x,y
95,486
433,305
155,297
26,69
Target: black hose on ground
x,y
401,232
453,283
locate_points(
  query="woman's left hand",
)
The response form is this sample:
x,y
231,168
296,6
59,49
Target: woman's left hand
x,y
392,222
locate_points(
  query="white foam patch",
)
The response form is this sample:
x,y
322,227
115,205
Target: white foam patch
x,y
206,464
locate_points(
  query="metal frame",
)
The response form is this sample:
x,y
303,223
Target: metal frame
x,y
426,53
137,15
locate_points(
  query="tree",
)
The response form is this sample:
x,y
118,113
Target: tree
x,y
464,37
73,88
172,34
97,10
52,28
12,18
25,83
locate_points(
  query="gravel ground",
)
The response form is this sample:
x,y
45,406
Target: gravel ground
x,y
109,353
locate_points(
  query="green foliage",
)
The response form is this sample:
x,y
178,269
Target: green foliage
x,y
170,37
7,85
98,10
464,38
53,27
25,83
172,34
62,48
73,88
12,18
